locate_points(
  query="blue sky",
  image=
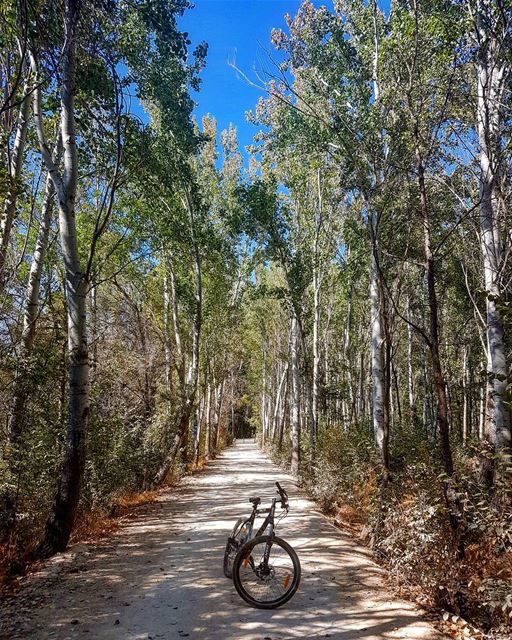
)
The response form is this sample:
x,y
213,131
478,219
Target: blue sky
x,y
239,31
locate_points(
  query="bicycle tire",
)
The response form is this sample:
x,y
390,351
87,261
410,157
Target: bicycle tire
x,y
231,549
245,552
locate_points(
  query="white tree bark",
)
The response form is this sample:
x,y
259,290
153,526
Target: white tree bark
x,y
30,315
377,341
380,423
465,404
208,420
317,280
277,406
492,74
60,523
190,380
294,398
15,164
167,330
218,412
410,365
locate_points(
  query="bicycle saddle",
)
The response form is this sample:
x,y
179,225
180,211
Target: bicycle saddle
x,y
255,501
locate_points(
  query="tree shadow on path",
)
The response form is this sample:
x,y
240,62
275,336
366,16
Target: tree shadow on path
x,y
160,576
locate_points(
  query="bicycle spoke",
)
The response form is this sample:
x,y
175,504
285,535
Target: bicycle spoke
x,y
270,582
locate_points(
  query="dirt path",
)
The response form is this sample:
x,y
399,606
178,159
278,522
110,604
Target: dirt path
x,y
160,576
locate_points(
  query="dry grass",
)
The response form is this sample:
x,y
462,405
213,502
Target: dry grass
x,y
457,593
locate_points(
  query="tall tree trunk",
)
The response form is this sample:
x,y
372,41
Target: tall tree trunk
x,y
31,312
167,330
361,388
60,522
207,418
217,414
443,423
437,371
481,415
317,282
263,403
282,412
410,366
379,394
279,400
491,82
380,347
15,164
307,396
294,398
347,355
197,430
465,403
189,391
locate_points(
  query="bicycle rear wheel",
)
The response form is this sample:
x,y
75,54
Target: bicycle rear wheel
x,y
266,585
232,546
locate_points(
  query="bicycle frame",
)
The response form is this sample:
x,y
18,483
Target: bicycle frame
x,y
269,520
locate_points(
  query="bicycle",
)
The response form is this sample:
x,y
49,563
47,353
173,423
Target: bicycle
x,y
265,568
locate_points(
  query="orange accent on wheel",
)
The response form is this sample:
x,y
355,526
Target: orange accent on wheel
x,y
286,581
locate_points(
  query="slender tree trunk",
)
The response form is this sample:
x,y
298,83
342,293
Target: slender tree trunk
x,y
437,372
347,355
397,391
282,414
380,423
294,398
217,415
15,165
379,346
263,404
60,523
190,384
196,431
279,401
410,366
180,356
207,418
307,395
491,79
481,419
232,405
167,330
465,406
31,312
361,389
317,280
452,501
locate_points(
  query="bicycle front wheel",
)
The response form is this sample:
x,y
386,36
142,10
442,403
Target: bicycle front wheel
x,y
266,585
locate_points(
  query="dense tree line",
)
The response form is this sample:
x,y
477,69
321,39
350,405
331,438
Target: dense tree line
x,y
120,274
347,294
382,212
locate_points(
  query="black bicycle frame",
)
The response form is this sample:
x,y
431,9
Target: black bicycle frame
x,y
268,522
